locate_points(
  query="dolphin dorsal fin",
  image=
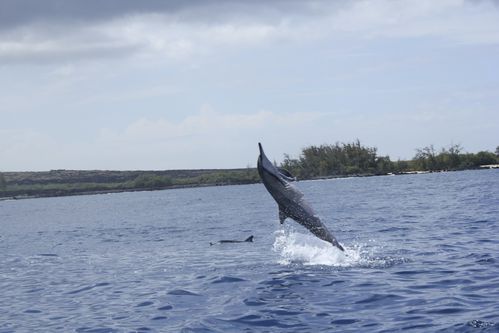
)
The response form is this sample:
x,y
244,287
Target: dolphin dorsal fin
x,y
249,239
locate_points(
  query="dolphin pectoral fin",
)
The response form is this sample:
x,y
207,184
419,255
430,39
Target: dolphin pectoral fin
x,y
286,174
282,216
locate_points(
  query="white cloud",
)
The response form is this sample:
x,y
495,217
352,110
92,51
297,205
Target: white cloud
x,y
143,35
157,35
207,139
210,139
167,36
379,62
40,43
453,20
207,124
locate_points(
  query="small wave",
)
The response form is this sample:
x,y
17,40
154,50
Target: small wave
x,y
47,255
146,303
95,330
182,292
165,307
297,248
227,279
102,284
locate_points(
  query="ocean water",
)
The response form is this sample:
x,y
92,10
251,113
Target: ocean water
x,y
421,256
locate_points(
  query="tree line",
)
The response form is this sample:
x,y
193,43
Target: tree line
x,y
453,158
343,159
327,160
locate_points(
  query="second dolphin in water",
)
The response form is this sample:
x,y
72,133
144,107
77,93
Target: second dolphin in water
x,y
290,199
249,239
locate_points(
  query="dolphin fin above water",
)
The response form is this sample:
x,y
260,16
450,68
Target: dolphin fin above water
x,y
290,200
247,240
286,174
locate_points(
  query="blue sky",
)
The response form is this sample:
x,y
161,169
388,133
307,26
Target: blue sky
x,y
196,84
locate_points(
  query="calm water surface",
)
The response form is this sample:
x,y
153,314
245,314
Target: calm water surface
x,y
422,256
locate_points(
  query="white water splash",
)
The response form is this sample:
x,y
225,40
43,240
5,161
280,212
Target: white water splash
x,y
305,249
295,247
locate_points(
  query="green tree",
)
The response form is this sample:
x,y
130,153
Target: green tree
x,y
425,158
384,165
454,156
484,158
293,165
401,166
467,161
337,159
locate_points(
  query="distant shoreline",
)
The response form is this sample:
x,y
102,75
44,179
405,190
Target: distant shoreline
x,y
32,185
58,183
76,193
326,161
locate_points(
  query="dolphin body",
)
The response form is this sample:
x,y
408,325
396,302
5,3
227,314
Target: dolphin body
x,y
290,199
249,239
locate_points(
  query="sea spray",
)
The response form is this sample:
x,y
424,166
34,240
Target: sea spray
x,y
295,247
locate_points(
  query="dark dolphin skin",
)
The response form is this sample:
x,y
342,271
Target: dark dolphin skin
x,y
290,200
249,239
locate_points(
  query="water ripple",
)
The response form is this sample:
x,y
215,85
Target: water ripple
x,y
181,292
421,256
227,279
88,288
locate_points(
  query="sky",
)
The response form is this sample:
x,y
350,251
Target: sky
x,y
155,85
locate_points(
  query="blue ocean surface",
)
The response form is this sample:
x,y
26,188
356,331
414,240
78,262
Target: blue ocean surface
x,y
421,256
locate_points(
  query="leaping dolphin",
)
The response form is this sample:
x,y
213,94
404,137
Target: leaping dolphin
x,y
290,199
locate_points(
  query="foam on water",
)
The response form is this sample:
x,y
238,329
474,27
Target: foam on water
x,y
295,247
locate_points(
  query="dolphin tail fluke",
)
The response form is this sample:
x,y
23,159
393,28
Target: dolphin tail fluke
x,y
249,239
334,242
